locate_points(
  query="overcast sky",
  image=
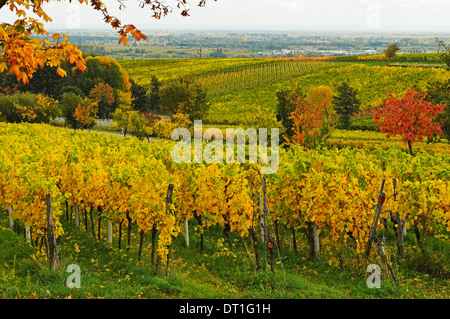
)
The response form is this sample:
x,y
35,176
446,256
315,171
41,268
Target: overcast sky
x,y
360,15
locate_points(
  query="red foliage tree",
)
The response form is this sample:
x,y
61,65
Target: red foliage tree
x,y
411,116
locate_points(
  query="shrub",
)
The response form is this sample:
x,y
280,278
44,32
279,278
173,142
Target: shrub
x,y
28,107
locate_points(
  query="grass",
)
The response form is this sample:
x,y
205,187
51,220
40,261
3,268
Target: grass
x,y
215,272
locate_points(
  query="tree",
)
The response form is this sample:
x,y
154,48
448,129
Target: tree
x,y
103,95
391,51
184,96
322,94
218,54
26,45
140,97
346,103
445,55
28,107
155,100
102,70
69,103
439,93
285,106
411,116
86,113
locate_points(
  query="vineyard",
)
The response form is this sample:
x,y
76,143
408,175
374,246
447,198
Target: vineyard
x,y
168,70
372,82
112,187
243,91
244,77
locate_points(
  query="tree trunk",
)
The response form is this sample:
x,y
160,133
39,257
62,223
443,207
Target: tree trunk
x,y
53,251
100,210
255,246
154,231
375,220
294,240
141,241
410,148
200,223
130,226
92,221
85,220
271,245
399,236
120,234
226,231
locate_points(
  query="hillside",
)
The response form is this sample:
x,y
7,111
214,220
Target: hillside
x,y
255,103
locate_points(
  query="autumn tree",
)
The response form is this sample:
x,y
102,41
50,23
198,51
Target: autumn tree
x,y
391,51
86,113
410,116
322,94
69,102
103,94
25,45
309,123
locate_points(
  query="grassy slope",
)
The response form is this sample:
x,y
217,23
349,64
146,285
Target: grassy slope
x,y
107,272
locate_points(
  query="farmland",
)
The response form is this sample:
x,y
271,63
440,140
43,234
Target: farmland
x,y
141,226
245,104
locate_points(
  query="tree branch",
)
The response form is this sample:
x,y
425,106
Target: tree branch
x,y
2,3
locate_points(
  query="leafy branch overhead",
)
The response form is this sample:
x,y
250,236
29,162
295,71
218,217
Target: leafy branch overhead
x,y
22,53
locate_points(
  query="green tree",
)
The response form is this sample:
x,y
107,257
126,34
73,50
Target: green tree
x,y
346,103
445,55
103,94
184,96
439,93
155,100
140,99
69,103
286,104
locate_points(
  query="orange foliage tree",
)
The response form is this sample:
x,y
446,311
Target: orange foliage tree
x,y
86,113
309,121
22,53
411,116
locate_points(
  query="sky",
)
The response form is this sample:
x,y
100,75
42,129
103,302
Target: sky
x,y
265,15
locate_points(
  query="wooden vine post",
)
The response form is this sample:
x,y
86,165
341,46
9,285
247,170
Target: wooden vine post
x,y
186,232
52,246
77,215
264,222
399,230
110,231
11,220
381,198
169,211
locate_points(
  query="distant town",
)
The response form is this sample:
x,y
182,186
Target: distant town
x,y
250,44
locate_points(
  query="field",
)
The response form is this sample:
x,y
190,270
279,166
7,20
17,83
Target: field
x,y
139,225
253,102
